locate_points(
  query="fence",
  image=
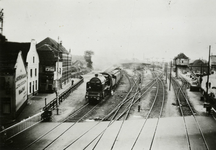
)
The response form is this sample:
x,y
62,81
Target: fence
x,y
54,103
20,127
14,130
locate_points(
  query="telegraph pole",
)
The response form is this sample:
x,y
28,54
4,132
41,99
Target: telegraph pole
x,y
207,84
57,81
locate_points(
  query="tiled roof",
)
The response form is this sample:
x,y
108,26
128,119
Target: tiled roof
x,y
47,57
181,55
199,62
9,52
51,45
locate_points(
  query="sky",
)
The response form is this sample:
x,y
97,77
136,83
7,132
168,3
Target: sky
x,y
117,29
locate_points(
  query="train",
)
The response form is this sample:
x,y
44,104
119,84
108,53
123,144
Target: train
x,y
102,84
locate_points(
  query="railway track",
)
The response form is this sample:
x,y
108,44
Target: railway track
x,y
114,115
186,109
72,115
129,101
133,101
160,93
180,92
118,111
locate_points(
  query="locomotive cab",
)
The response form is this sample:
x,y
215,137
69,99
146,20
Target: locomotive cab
x,y
109,83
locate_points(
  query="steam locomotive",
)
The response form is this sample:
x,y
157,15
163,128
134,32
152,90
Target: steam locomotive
x,y
102,84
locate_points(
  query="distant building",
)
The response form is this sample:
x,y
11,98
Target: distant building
x,y
199,66
213,62
55,65
181,60
78,68
18,76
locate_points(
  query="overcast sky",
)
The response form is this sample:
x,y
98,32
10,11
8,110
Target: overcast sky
x,y
117,29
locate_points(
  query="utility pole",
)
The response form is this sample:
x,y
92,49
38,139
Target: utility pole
x,y
170,75
57,81
207,84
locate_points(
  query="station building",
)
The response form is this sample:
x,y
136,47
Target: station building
x,y
55,65
181,60
19,63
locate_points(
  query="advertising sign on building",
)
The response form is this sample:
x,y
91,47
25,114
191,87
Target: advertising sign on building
x,y
21,91
50,68
58,72
20,82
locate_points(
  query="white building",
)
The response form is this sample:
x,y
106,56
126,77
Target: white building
x,y
32,67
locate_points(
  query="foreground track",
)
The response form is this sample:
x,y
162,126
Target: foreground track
x,y
186,109
160,93
59,124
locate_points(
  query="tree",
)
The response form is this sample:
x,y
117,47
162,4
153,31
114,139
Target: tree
x,y
88,55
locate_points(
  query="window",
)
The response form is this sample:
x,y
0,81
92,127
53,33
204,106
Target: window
x,y
30,72
35,84
33,59
2,83
35,72
30,87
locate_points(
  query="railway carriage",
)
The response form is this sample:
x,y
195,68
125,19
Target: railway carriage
x,y
102,84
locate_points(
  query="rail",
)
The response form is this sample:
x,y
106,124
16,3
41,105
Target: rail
x,y
23,125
